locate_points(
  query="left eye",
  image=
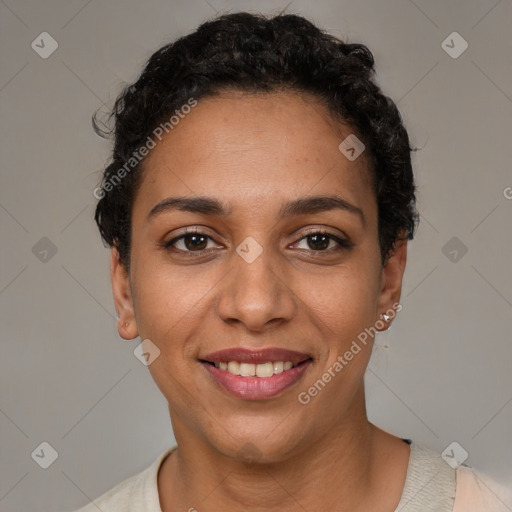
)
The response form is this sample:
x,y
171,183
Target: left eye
x,y
321,241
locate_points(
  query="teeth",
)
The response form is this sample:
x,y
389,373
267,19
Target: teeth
x,y
234,367
247,370
264,370
258,370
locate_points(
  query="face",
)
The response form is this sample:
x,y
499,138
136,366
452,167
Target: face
x,y
280,253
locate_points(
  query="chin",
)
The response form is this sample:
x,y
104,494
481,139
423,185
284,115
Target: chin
x,y
258,449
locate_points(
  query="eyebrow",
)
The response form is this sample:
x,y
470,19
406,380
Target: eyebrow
x,y
211,206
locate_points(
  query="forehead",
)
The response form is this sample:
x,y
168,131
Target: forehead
x,y
249,147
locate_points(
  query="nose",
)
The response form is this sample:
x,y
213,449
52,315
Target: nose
x,y
257,294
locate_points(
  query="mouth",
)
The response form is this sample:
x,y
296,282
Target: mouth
x,y
256,375
260,370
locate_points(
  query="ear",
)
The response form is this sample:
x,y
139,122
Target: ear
x,y
126,325
391,284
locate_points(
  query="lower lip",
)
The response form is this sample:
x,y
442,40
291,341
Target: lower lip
x,y
257,388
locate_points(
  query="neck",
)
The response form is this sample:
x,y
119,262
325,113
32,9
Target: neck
x,y
335,472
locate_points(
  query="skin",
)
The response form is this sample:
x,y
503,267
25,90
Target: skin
x,y
254,153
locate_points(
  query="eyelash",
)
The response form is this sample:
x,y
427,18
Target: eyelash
x,y
342,243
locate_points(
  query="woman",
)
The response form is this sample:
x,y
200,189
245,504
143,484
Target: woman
x,y
258,206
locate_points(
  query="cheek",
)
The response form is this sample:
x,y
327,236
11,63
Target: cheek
x,y
168,299
341,309
169,307
343,301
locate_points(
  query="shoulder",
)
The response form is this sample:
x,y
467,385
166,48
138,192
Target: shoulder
x,y
477,492
434,485
430,482
138,492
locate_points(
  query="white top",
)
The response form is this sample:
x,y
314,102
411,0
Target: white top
x,y
431,485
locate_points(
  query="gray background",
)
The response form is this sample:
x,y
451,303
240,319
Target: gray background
x,y
441,374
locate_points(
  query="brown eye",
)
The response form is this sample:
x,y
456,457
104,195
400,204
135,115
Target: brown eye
x,y
193,242
323,242
318,242
189,242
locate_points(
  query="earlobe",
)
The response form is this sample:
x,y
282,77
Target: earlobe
x,y
391,283
123,300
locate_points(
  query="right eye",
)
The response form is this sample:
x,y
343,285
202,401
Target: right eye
x,y
189,242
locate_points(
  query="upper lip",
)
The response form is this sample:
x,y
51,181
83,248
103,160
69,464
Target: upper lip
x,y
263,355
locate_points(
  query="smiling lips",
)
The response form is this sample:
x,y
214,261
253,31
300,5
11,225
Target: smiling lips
x,y
256,375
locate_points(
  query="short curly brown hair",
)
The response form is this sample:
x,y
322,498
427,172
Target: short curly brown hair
x,y
256,53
